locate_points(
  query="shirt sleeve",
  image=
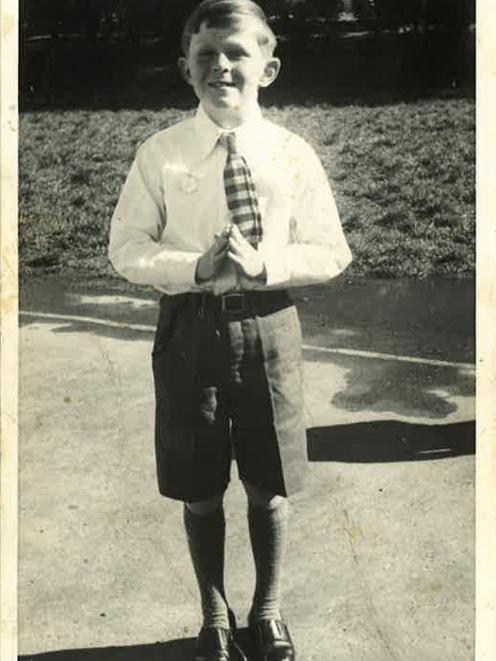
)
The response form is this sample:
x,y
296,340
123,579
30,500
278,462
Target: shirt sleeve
x,y
135,247
317,249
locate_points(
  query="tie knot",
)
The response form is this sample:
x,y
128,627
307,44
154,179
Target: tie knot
x,y
228,140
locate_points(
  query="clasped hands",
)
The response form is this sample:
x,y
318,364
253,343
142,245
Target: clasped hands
x,y
230,244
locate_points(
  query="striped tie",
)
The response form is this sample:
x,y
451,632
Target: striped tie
x,y
240,192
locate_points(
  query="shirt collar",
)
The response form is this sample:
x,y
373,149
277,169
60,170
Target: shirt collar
x,y
208,132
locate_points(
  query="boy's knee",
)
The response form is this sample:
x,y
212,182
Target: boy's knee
x,y
259,498
205,507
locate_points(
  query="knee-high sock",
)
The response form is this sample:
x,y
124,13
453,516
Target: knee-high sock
x,y
268,528
206,536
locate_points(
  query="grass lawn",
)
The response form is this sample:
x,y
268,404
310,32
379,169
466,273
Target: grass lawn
x,y
403,176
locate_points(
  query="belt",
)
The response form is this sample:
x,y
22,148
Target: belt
x,y
236,305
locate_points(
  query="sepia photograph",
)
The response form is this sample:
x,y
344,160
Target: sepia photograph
x,y
247,323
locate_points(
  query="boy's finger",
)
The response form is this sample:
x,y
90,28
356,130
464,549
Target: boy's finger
x,y
219,257
234,258
220,249
242,247
237,236
224,234
220,244
218,260
237,240
235,247
220,236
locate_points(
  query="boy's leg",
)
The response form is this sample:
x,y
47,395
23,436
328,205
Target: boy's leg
x,y
268,522
267,519
205,528
192,440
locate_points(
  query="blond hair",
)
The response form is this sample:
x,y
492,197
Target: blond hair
x,y
226,14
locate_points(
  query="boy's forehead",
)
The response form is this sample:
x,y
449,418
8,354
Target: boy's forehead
x,y
242,29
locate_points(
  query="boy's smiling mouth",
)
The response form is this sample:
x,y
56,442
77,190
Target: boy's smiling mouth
x,y
221,83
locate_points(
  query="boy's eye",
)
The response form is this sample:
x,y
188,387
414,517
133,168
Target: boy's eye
x,y
236,54
230,53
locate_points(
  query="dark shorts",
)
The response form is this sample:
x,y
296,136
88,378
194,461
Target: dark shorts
x,y
225,381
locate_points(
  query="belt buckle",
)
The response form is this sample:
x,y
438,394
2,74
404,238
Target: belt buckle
x,y
234,302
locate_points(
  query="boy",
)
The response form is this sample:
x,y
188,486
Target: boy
x,y
222,213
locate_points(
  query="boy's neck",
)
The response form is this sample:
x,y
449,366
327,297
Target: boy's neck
x,y
232,119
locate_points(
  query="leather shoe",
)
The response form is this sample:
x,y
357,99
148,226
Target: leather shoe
x,y
218,644
213,644
272,640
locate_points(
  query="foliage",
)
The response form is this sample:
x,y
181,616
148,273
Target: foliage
x,y
454,14
403,176
72,50
135,18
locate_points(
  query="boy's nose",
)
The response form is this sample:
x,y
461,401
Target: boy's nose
x,y
220,63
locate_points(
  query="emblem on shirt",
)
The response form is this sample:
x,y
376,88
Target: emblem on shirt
x,y
189,183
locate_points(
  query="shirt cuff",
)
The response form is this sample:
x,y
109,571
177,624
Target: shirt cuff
x,y
181,273
304,264
168,270
276,267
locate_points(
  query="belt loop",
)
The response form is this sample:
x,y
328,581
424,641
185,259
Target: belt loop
x,y
201,305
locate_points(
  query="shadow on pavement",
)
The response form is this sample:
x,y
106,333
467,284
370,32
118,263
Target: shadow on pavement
x,y
390,440
173,650
399,387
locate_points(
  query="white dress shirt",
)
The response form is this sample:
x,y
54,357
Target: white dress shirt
x,y
173,202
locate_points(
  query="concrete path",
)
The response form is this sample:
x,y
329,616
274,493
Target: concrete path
x,y
380,560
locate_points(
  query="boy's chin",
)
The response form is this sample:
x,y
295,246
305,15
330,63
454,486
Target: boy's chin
x,y
229,99
230,103
224,106
225,102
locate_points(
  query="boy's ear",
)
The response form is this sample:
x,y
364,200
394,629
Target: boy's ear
x,y
271,71
184,69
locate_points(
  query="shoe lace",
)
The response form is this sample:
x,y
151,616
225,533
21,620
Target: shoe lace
x,y
239,651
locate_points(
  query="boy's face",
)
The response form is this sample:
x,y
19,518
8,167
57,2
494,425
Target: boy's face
x,y
226,67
